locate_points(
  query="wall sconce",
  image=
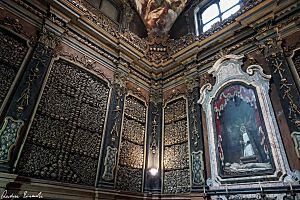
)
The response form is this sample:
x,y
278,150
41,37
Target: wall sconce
x,y
153,171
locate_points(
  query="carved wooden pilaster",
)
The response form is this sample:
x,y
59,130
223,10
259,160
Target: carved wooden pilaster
x,y
23,101
283,81
110,147
154,142
196,136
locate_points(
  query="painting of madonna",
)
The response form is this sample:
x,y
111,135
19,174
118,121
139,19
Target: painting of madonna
x,y
242,142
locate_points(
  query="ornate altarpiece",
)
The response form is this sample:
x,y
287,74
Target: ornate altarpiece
x,y
244,139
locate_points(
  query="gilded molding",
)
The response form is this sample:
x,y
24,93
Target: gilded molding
x,y
95,47
153,54
15,25
29,8
95,16
139,43
163,48
86,62
228,73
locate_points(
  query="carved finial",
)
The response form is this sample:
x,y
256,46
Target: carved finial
x,y
49,38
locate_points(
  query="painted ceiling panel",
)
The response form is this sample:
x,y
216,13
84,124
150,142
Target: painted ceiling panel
x,y
159,15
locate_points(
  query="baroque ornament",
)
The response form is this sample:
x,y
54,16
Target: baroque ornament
x,y
8,136
198,168
169,48
48,38
272,47
85,62
218,99
110,162
296,138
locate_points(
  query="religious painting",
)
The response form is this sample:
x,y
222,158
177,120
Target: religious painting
x,y
159,15
243,136
242,145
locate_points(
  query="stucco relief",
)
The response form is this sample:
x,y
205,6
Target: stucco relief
x,y
244,139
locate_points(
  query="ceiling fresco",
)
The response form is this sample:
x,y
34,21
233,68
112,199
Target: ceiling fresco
x,y
159,15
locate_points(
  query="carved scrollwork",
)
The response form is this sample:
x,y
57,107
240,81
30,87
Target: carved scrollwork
x,y
169,46
96,17
110,163
139,43
85,62
30,8
48,38
96,47
252,91
15,25
273,49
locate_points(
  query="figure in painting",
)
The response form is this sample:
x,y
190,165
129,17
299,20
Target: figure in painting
x,y
242,144
247,146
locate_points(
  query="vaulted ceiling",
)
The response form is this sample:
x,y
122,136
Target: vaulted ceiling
x,y
159,15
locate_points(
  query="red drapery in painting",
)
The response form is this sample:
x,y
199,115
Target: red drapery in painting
x,y
245,94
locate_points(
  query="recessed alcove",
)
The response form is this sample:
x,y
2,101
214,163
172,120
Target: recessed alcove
x,y
162,99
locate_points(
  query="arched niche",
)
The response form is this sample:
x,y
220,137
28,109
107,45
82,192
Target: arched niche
x,y
244,139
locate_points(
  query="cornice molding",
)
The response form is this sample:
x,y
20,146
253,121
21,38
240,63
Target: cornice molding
x,y
156,56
